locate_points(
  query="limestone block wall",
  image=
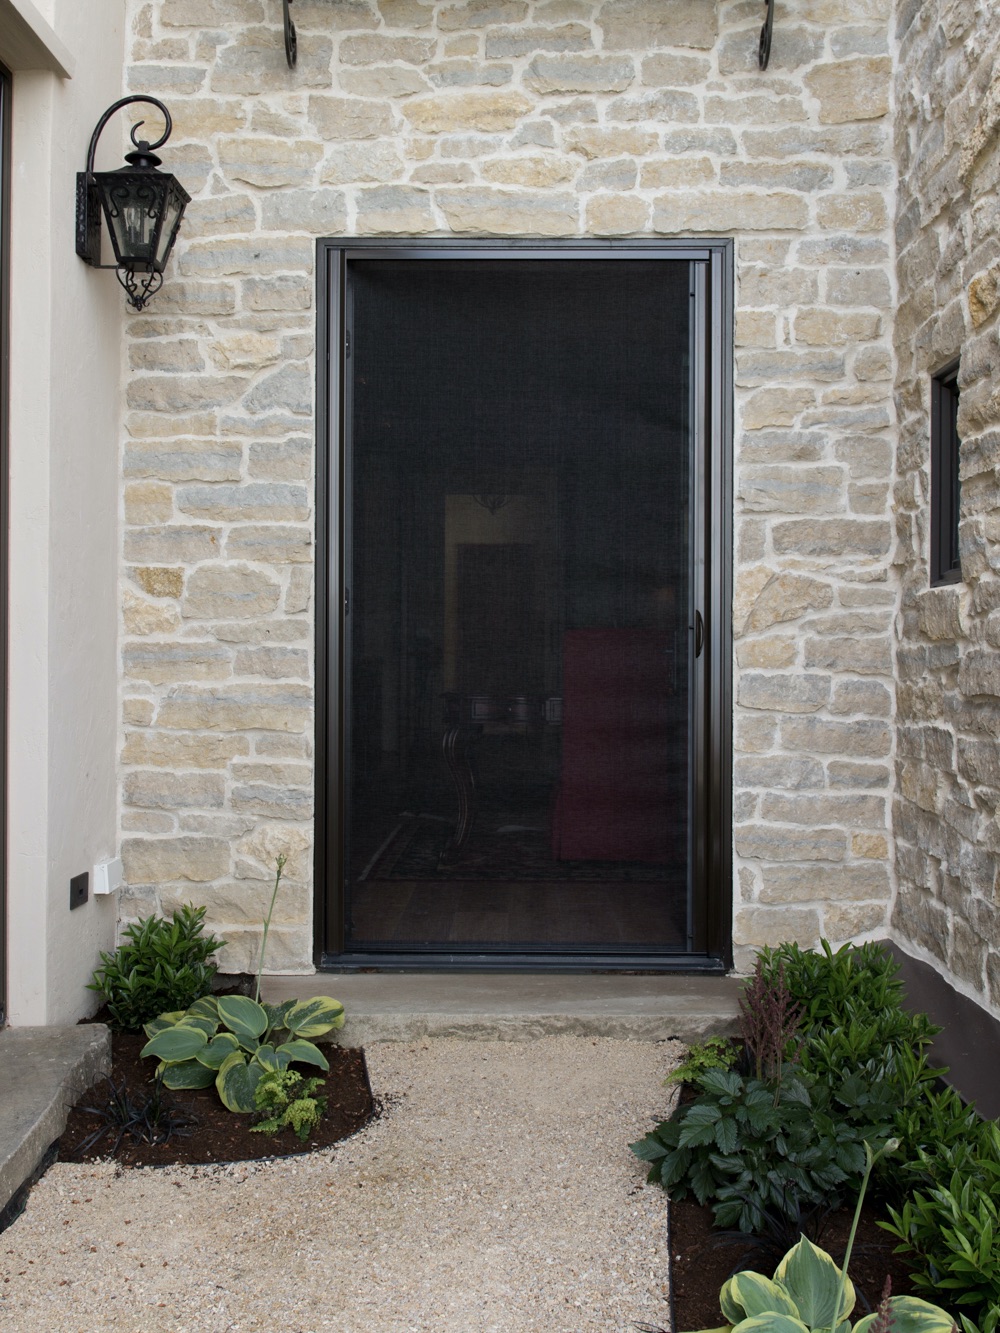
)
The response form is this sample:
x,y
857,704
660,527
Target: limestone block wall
x,y
507,118
948,234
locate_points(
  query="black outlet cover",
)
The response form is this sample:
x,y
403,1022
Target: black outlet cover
x,y
79,890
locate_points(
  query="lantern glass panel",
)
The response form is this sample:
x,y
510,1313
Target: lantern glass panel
x,y
176,200
133,204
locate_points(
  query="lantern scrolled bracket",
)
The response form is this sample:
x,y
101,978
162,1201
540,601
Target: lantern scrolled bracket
x,y
764,46
291,39
141,205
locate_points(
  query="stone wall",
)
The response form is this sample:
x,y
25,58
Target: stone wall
x,y
948,236
507,118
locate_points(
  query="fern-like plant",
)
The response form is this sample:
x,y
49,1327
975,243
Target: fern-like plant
x,y
288,1101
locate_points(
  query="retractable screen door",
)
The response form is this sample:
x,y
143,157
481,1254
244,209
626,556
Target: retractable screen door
x,y
522,563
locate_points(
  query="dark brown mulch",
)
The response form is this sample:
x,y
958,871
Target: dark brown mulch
x,y
701,1261
219,1135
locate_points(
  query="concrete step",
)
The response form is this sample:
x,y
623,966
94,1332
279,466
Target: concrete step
x,y
43,1071
518,1006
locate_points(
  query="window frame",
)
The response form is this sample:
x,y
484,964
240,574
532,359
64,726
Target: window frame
x,y
946,509
6,97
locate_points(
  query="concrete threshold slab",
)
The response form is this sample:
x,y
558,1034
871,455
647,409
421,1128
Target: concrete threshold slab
x,y
43,1071
518,1006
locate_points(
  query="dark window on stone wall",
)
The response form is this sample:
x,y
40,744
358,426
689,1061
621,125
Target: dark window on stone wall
x,y
946,567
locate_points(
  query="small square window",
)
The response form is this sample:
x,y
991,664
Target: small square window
x,y
946,566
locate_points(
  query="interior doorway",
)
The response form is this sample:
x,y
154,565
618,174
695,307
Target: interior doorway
x,y
520,742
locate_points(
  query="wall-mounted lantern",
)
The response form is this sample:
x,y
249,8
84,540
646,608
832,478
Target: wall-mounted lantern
x,y
143,207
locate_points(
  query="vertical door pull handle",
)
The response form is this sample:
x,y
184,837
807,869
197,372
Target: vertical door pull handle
x,y
699,633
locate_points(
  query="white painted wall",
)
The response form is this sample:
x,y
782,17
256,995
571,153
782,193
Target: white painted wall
x,y
66,353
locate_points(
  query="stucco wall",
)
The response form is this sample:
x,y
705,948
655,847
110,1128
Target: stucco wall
x,y
948,233
65,378
507,118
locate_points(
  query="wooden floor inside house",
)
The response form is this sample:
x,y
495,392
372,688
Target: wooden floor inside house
x,y
507,890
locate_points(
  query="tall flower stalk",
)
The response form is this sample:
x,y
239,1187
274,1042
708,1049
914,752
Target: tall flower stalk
x,y
870,1159
280,862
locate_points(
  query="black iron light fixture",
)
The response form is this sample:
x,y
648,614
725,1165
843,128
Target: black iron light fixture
x,y
142,205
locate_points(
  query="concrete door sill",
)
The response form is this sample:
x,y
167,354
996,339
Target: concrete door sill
x,y
402,1006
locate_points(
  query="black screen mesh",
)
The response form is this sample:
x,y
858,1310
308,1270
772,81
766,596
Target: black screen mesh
x,y
519,565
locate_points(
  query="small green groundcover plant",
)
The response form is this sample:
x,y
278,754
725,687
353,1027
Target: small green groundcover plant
x,y
286,1100
713,1053
162,964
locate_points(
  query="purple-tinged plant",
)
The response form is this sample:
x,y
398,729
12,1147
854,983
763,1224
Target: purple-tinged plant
x,y
769,1021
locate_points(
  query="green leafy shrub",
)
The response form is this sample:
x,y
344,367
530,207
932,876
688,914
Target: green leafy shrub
x,y
857,1036
232,1041
830,1061
753,1148
839,1063
855,985
952,1227
941,1135
715,1053
810,1294
288,1101
775,1147
824,983
161,965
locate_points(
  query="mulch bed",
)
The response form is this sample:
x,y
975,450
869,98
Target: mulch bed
x,y
701,1260
218,1135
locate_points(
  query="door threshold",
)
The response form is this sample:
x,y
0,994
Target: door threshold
x,y
519,1006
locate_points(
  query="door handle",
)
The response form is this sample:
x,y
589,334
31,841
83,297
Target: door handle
x,y
699,633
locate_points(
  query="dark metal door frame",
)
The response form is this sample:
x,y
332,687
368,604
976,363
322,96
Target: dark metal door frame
x,y
5,141
712,263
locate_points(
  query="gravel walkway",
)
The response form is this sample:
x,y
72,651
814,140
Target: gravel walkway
x,y
496,1194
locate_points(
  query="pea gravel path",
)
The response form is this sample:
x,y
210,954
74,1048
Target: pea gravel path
x,y
496,1194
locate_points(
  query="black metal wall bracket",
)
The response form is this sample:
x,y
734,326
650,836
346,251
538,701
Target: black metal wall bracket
x,y
764,48
291,40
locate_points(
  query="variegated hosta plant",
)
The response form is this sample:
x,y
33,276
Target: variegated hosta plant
x,y
809,1293
231,1040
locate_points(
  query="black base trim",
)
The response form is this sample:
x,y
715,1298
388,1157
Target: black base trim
x,y
970,1033
679,963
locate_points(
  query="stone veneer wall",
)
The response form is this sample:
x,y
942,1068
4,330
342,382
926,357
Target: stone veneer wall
x,y
507,118
948,237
